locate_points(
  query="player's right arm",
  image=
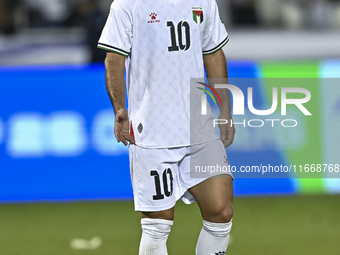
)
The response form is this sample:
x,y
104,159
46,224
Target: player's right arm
x,y
115,86
116,40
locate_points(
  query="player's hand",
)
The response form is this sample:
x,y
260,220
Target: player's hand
x,y
227,131
122,127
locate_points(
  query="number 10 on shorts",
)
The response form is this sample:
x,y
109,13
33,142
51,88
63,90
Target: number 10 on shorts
x,y
167,181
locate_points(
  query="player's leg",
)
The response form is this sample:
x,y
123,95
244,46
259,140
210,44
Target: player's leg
x,y
154,173
214,197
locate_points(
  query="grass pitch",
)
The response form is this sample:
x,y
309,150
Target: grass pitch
x,y
267,225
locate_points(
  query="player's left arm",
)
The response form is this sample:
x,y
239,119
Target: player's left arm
x,y
216,67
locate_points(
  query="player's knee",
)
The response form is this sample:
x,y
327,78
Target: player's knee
x,y
227,213
222,213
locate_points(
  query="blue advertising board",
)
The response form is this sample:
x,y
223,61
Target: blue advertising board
x,y
57,140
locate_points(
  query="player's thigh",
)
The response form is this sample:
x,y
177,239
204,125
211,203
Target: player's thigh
x,y
215,198
214,194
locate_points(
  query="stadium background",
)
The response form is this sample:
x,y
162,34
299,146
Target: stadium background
x,y
63,176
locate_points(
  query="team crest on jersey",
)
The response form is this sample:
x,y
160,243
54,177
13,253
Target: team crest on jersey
x,y
140,128
153,17
197,13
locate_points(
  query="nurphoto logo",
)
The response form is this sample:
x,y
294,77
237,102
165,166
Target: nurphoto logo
x,y
239,104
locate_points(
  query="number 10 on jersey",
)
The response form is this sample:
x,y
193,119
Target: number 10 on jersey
x,y
177,39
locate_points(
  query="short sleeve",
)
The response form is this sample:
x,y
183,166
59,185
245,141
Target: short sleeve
x,y
215,35
117,33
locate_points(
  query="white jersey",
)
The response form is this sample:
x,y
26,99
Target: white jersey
x,y
164,42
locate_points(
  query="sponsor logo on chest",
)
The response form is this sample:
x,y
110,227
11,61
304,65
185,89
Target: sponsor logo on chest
x,y
153,17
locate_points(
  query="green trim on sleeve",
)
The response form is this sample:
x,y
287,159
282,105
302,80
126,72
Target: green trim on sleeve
x,y
110,50
224,44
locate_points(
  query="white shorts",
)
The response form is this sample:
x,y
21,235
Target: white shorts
x,y
160,177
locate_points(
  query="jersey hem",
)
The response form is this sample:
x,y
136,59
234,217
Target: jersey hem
x,y
176,146
217,48
112,49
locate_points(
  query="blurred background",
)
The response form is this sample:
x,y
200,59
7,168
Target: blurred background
x,y
64,181
66,31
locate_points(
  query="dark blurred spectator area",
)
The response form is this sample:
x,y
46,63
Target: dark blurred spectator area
x,y
282,14
55,19
77,24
